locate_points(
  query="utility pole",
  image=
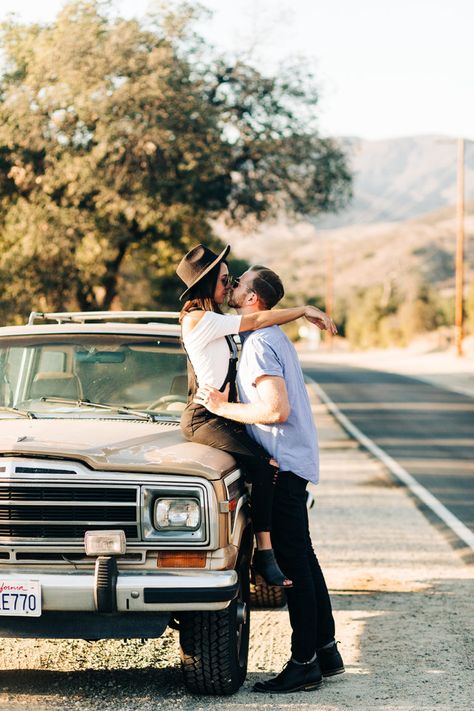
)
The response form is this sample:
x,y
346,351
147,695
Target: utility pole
x,y
329,289
460,250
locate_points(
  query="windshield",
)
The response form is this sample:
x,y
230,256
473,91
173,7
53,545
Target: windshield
x,y
50,375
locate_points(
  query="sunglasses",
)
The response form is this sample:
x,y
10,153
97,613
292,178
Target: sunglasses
x,y
236,283
228,280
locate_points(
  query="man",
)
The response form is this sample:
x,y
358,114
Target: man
x,y
274,405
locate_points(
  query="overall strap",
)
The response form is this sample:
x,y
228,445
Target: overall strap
x,y
232,370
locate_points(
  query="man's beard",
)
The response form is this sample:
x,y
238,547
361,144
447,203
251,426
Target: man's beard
x,y
234,304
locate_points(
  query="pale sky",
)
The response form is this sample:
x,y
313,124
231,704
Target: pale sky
x,y
385,68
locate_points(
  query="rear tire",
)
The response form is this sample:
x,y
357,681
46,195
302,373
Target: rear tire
x,y
214,645
266,596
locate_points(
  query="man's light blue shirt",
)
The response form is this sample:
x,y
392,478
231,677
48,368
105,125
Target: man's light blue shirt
x,y
294,443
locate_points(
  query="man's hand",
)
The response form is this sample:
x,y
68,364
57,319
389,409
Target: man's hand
x,y
271,406
212,398
320,319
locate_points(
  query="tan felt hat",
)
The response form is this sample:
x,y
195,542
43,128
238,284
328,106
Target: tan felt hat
x,y
196,264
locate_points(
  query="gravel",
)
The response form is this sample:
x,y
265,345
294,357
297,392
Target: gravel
x,y
402,602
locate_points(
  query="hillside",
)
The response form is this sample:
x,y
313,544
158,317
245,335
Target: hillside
x,y
401,178
363,254
400,227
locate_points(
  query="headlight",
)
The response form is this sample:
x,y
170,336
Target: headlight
x,y
177,514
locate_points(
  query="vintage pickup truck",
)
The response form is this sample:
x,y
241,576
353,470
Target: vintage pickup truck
x,y
112,525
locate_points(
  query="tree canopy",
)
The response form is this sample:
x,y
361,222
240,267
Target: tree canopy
x,y
120,140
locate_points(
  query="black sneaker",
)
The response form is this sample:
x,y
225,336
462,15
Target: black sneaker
x,y
330,661
293,677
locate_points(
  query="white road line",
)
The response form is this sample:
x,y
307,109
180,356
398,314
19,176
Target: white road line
x,y
398,471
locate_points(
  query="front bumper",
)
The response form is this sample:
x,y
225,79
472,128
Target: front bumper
x,y
86,625
147,591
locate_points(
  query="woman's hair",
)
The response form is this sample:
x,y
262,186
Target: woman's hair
x,y
201,295
267,285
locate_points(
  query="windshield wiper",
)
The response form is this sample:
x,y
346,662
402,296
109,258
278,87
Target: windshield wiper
x,y
16,411
123,410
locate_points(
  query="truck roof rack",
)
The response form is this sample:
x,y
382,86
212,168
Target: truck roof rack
x,y
83,316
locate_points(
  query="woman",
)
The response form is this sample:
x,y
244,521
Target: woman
x,y
212,356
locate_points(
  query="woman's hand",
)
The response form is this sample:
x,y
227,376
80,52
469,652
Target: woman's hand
x,y
212,398
320,319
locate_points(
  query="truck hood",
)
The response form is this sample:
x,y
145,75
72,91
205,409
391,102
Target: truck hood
x,y
114,445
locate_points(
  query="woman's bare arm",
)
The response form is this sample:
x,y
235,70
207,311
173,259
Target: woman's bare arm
x,y
277,317
191,320
273,317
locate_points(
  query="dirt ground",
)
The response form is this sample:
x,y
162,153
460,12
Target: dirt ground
x,y
402,599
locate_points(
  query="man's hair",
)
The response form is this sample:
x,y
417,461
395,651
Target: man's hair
x,y
267,285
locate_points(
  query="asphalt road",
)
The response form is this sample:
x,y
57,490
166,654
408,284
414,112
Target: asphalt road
x,y
428,430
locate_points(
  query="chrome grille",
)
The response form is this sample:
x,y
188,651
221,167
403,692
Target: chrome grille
x,y
68,493
65,512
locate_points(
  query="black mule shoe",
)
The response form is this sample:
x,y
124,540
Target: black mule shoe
x,y
265,565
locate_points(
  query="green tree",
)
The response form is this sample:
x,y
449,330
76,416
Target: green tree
x,y
367,310
119,141
421,314
379,316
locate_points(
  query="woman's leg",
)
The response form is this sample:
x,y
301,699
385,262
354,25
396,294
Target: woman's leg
x,y
232,437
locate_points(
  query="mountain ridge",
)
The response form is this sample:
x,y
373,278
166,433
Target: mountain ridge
x,y
420,250
400,178
401,225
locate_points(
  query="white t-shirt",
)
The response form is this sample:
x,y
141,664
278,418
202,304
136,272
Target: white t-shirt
x,y
208,349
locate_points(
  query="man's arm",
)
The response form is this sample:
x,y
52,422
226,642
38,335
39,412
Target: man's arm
x,y
272,406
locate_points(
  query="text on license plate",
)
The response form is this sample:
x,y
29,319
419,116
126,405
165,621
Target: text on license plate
x,y
20,598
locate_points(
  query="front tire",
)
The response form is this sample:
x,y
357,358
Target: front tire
x,y
214,645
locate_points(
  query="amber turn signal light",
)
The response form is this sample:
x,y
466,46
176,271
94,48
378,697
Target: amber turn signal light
x,y
181,559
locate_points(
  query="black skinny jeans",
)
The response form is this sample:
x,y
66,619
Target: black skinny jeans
x,y
309,606
200,425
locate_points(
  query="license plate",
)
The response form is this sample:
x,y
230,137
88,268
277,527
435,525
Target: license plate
x,y
20,598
